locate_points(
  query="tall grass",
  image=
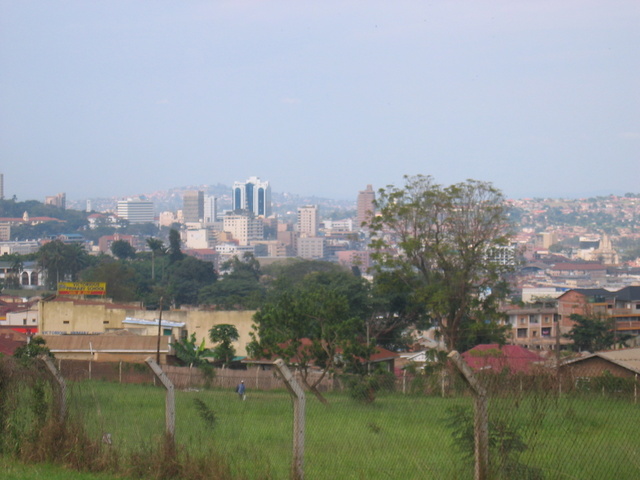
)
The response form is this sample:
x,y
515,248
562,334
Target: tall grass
x,y
120,428
395,437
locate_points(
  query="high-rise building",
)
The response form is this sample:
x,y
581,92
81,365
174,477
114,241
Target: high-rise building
x,y
365,206
253,196
136,210
193,206
210,209
307,225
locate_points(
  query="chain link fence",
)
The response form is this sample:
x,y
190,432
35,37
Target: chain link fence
x,y
548,425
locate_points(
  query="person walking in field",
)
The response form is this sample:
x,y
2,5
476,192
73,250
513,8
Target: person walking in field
x,y
240,389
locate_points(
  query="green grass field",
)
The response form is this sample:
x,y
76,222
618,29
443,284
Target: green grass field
x,y
12,470
396,437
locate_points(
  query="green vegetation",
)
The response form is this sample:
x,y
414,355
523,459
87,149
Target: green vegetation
x,y
317,322
13,470
395,437
592,333
120,428
448,238
224,335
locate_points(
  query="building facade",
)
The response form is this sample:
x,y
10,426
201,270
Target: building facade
x,y
244,228
365,206
193,206
210,209
253,196
136,210
307,225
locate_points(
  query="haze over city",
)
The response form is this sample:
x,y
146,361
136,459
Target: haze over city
x,y
121,98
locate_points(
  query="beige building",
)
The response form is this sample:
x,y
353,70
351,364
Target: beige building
x,y
307,225
244,228
68,316
310,248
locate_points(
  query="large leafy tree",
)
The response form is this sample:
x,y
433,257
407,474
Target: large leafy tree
x,y
320,322
123,249
121,279
592,333
239,287
224,335
396,306
62,261
447,236
187,277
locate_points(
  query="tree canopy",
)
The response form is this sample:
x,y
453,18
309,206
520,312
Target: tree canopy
x,y
62,261
239,287
449,237
123,249
592,333
224,335
318,322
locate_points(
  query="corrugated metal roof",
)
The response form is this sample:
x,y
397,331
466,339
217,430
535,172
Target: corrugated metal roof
x,y
628,357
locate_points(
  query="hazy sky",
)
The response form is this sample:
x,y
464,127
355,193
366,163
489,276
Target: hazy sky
x,y
116,98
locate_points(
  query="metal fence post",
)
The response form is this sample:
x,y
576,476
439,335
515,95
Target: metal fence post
x,y
297,394
170,404
481,424
62,385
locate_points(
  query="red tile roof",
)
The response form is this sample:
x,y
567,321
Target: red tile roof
x,y
493,357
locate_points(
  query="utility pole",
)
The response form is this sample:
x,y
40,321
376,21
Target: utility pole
x,y
159,332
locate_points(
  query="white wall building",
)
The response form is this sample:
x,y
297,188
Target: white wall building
x,y
136,210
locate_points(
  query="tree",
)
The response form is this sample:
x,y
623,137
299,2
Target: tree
x,y
175,254
62,261
33,349
224,335
189,352
157,248
239,287
592,333
448,236
396,306
316,323
187,277
121,279
123,249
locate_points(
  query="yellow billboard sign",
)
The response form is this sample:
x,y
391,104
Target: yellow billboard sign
x,y
82,288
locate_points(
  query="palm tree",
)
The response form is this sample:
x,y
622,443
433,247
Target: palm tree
x,y
157,246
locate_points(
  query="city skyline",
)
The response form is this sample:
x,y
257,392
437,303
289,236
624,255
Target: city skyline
x,y
118,99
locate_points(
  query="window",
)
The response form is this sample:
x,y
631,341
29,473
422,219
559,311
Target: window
x,y
546,319
546,332
522,333
533,319
66,322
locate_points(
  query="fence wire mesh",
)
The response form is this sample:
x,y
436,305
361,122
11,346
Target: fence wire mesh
x,y
572,425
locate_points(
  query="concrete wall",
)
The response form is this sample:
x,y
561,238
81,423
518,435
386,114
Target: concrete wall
x,y
66,316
